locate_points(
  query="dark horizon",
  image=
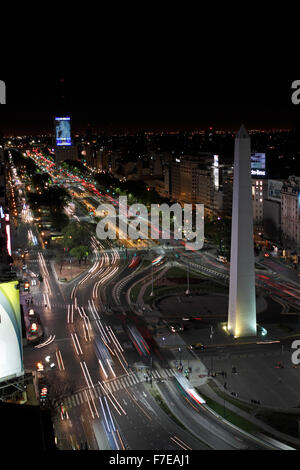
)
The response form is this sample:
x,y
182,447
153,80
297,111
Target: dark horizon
x,y
153,118
161,82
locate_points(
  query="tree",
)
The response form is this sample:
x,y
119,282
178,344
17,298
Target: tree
x,y
75,234
40,179
75,166
219,232
52,197
80,252
24,163
60,258
58,219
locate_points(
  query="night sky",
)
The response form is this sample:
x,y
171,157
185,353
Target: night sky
x,y
160,82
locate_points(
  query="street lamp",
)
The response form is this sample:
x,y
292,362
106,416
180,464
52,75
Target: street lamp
x,y
180,363
211,341
152,287
188,280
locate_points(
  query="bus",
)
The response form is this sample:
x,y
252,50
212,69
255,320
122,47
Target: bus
x,y
138,341
104,358
187,390
158,261
134,262
222,259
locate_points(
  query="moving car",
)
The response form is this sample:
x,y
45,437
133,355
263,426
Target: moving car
x,y
198,346
175,328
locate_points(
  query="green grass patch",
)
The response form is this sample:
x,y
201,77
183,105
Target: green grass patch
x,y
284,422
179,272
260,267
285,327
230,416
179,289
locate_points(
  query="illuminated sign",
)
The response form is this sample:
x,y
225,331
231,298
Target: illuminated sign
x,y
2,92
258,164
8,242
274,190
216,172
11,349
63,131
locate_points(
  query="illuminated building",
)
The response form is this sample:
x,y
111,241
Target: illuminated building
x,y
11,349
242,301
259,194
195,180
290,213
272,211
64,149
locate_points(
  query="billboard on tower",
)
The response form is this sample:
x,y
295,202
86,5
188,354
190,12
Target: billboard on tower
x,y
274,190
11,349
63,131
258,164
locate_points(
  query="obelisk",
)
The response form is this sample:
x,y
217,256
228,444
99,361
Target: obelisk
x,y
242,302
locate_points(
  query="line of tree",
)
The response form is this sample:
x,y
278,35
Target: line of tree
x,y
75,166
24,164
135,190
54,198
76,234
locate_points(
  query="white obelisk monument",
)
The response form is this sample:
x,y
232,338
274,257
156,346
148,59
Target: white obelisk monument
x,y
242,302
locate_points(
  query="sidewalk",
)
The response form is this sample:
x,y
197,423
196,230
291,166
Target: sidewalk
x,y
198,372
208,391
69,271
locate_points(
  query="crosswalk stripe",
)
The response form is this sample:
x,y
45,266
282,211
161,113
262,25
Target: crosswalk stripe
x,y
77,399
126,382
136,378
81,398
113,386
129,379
116,385
123,383
73,400
133,379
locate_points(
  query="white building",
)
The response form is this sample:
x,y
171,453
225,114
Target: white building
x,y
242,300
259,193
290,213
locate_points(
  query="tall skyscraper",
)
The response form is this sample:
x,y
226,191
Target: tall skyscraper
x,y
64,148
242,301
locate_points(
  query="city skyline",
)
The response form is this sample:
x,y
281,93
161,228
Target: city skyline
x,y
155,118
124,327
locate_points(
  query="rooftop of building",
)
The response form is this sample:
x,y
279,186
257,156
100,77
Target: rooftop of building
x,y
26,427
